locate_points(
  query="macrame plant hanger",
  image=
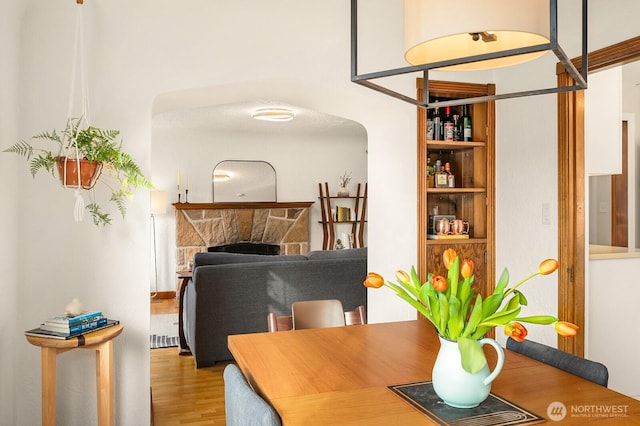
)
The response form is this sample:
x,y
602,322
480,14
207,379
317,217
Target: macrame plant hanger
x,y
70,141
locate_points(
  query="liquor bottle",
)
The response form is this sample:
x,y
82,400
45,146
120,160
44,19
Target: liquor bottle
x,y
430,125
430,174
447,125
467,128
437,124
451,179
458,131
442,179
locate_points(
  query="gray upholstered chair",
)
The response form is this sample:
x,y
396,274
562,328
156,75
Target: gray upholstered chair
x,y
589,370
317,314
244,407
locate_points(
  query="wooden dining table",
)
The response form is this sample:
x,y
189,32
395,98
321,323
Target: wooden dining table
x,y
341,376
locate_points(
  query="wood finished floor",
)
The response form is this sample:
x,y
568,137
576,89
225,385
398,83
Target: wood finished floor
x,y
181,393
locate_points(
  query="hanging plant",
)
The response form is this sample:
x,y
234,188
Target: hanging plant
x,y
94,151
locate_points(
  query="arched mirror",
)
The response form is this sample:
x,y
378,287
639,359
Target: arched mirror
x,y
244,181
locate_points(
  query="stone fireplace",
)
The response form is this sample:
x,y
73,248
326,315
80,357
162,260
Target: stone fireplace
x,y
202,225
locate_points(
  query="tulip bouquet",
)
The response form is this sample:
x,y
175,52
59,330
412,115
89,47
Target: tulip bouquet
x,y
450,305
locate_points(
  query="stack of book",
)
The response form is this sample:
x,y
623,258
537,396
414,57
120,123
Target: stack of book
x,y
343,214
66,327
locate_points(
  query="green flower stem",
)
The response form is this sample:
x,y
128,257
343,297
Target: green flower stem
x,y
519,283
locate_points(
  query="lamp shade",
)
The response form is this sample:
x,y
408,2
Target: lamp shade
x,y
437,31
158,202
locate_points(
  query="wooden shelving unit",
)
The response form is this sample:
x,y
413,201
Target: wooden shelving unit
x,y
473,197
330,224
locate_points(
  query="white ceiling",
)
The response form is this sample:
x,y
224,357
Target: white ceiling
x,y
236,118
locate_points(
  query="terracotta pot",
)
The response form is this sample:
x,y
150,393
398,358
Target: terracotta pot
x,y
89,172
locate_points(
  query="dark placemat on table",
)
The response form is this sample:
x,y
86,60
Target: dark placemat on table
x,y
494,411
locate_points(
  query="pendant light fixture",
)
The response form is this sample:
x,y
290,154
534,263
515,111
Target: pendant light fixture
x,y
465,35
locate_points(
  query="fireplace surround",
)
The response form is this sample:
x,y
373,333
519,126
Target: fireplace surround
x,y
203,225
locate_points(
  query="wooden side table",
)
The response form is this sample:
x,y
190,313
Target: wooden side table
x,y
102,342
184,277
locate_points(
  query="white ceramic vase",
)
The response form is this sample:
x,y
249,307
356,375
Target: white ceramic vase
x,y
455,386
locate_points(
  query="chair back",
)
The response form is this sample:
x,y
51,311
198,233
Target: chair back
x,y
356,317
244,407
587,369
285,322
279,322
317,314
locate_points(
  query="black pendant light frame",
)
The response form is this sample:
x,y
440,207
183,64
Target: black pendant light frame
x,y
580,77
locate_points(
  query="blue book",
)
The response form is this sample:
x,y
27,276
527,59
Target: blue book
x,y
70,320
75,328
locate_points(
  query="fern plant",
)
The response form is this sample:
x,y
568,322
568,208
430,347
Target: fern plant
x,y
93,144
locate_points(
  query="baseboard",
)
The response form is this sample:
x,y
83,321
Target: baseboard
x,y
163,295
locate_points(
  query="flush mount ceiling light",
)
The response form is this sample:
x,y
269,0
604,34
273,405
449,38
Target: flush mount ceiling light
x,y
484,35
273,114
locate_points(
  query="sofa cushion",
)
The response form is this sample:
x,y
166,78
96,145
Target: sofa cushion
x,y
222,258
356,253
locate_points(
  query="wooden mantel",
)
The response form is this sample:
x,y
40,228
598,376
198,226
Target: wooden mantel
x,y
251,205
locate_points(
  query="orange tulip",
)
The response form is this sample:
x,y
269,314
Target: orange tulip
x,y
448,257
439,283
566,329
373,280
467,268
548,266
516,331
403,277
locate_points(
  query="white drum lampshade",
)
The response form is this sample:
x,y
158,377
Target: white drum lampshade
x,y
158,202
437,31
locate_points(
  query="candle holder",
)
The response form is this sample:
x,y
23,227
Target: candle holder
x,y
179,202
186,196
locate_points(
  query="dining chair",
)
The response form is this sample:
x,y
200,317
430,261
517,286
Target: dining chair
x,y
285,322
279,322
590,370
356,317
244,407
317,314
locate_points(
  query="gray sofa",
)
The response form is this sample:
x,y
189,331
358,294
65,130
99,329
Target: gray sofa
x,y
233,293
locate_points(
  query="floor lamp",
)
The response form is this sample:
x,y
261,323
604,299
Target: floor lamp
x,y
158,206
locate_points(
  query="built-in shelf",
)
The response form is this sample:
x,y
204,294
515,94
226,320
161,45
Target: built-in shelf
x,y
250,205
329,222
454,190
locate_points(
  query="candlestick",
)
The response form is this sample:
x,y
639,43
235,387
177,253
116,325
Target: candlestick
x,y
186,195
179,198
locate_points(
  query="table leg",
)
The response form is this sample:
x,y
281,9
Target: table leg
x,y
104,383
184,348
48,365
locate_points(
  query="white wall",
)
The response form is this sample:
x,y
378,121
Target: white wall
x,y
613,321
9,302
138,50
